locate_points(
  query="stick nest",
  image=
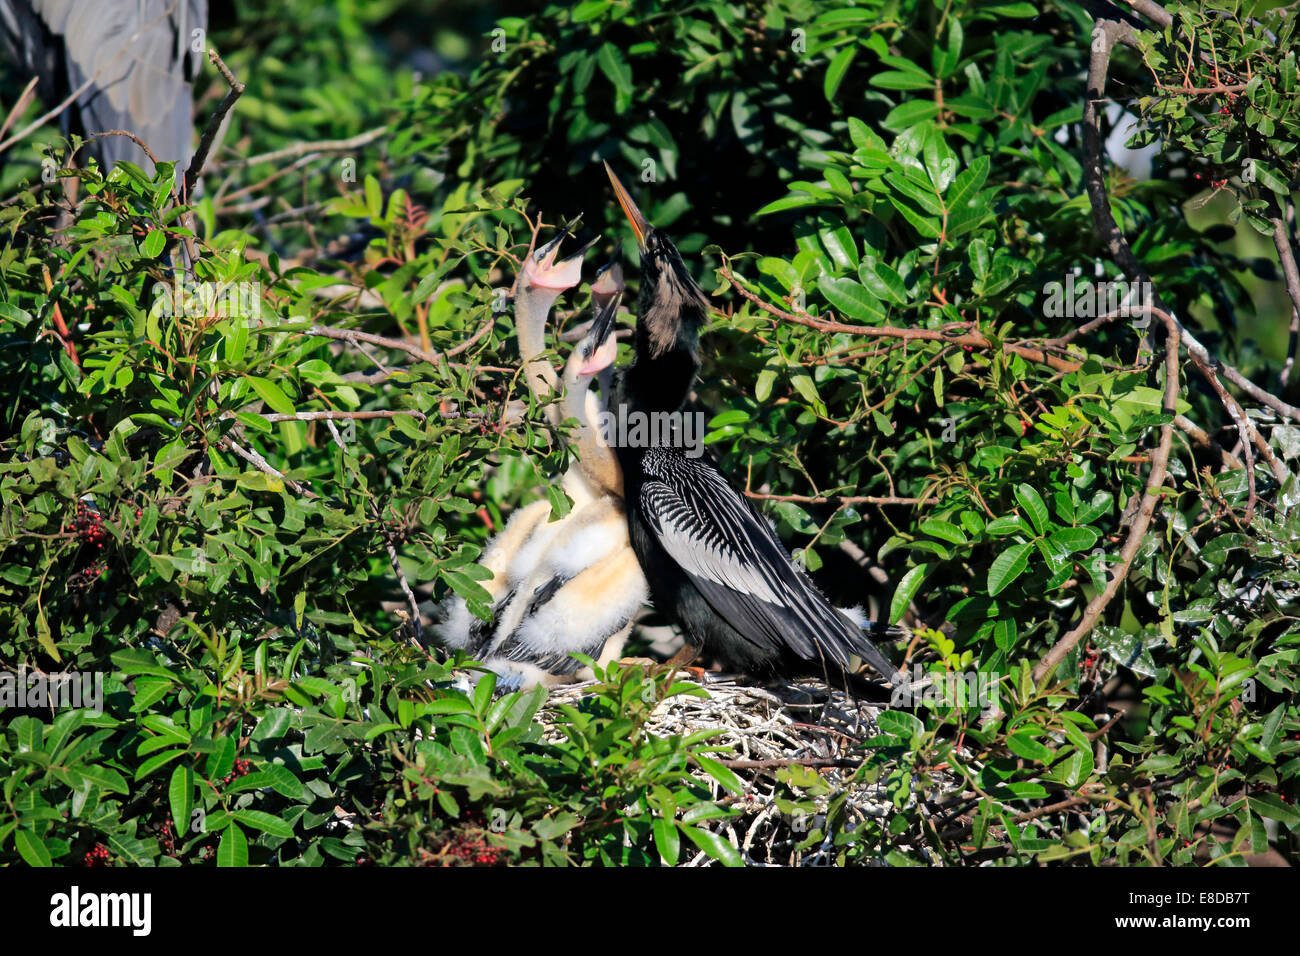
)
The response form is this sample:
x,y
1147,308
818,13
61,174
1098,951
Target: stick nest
x,y
770,729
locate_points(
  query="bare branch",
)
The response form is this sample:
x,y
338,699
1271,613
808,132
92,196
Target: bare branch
x,y
324,146
1155,481
200,158
834,499
967,339
264,466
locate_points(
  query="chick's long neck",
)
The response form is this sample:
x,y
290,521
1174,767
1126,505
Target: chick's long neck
x,y
532,310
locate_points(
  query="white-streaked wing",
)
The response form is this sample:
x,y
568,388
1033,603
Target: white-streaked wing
x,y
735,559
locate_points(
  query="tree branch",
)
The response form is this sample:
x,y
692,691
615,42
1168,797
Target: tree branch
x,y
200,158
972,340
1159,462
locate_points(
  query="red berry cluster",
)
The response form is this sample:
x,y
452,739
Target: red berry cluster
x,y
97,856
241,767
90,525
166,838
474,851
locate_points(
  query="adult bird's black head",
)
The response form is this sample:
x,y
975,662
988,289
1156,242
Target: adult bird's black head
x,y
671,307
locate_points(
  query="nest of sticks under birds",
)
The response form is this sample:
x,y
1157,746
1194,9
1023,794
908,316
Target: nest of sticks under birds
x,y
768,729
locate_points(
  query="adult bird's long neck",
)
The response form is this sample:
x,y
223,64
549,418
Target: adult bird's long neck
x,y
671,308
658,381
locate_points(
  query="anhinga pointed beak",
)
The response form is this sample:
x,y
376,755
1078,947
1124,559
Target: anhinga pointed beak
x,y
601,346
640,225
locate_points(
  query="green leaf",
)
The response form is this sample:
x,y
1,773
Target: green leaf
x,y
723,774
1271,806
32,848
1033,504
374,198
714,845
1008,566
612,64
835,72
266,822
270,393
899,723
233,848
221,759
668,840
850,298
180,796
156,761
1075,539
1023,743
906,591
153,244
909,114
1007,524
902,80
944,530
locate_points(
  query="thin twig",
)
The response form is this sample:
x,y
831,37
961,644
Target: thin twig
x,y
264,466
337,416
790,762
417,632
200,158
353,336
834,499
1137,531
20,105
42,120
1286,258
1199,435
972,340
324,146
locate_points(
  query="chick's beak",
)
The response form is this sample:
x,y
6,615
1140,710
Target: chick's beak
x,y
541,269
640,226
609,282
602,342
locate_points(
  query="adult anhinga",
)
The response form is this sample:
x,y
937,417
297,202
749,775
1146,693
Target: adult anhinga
x,y
571,585
715,566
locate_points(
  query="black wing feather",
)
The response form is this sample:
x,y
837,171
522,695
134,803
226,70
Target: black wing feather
x,y
739,566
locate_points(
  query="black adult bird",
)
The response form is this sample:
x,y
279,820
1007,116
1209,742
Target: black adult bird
x,y
715,567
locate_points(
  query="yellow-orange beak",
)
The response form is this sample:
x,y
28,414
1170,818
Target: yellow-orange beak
x,y
639,224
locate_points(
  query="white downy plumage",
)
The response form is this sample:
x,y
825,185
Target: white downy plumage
x,y
574,584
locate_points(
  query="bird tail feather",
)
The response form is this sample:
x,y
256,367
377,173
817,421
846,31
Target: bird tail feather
x,y
866,649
